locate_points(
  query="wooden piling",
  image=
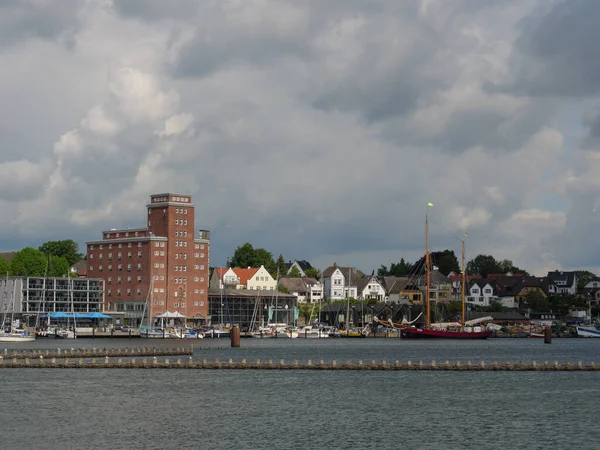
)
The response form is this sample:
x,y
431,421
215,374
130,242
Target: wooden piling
x,y
235,337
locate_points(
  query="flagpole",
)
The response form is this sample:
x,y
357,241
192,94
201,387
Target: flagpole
x,y
427,269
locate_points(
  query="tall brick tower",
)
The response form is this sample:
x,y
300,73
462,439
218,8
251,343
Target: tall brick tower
x,y
166,263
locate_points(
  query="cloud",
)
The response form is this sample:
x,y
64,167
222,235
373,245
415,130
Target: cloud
x,y
316,130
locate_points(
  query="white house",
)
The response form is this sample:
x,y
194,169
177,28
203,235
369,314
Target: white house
x,y
565,282
370,288
305,289
339,282
481,293
260,279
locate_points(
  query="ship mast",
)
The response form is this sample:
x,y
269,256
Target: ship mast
x,y
427,270
464,315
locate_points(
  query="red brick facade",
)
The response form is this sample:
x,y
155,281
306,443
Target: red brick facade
x,y
166,250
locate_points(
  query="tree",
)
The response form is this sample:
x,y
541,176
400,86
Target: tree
x,y
58,267
400,269
281,288
446,261
243,256
28,262
483,265
280,266
68,249
312,273
4,267
506,265
248,256
583,278
382,271
294,272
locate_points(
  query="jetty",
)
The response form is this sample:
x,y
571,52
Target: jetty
x,y
66,361
94,352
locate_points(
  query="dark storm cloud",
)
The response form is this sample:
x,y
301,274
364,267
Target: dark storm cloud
x,y
559,53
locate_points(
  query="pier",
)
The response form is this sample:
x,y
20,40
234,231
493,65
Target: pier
x,y
129,361
94,353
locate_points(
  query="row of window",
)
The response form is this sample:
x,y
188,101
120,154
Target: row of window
x,y
119,267
180,221
101,246
180,210
119,255
127,234
139,279
180,243
262,278
182,233
138,292
176,305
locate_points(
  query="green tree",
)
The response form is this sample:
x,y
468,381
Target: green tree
x,y
506,265
265,258
281,288
58,267
280,266
4,267
400,269
243,256
382,271
312,273
294,272
483,265
68,249
28,262
583,278
446,261
306,311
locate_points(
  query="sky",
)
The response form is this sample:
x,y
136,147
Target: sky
x,y
315,129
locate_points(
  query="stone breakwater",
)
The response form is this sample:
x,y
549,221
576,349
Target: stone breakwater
x,y
94,352
135,363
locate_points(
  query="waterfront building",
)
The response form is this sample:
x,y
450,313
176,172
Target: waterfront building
x,y
302,266
30,297
305,289
251,309
369,288
162,266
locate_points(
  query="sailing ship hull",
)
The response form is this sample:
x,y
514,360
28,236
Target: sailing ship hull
x,y
588,332
421,333
17,338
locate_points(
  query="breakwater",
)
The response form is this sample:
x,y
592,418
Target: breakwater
x,y
94,353
66,362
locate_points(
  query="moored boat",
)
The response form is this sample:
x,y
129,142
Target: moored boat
x,y
588,332
17,335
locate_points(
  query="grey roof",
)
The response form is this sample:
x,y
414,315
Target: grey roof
x,y
79,265
364,282
350,273
8,256
395,285
304,265
297,284
567,277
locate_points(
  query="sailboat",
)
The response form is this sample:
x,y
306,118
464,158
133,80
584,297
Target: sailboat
x,y
454,330
147,331
16,333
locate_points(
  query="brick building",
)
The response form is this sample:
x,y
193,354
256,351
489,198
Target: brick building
x,y
164,266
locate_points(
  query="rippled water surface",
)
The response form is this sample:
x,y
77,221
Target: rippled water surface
x,y
163,409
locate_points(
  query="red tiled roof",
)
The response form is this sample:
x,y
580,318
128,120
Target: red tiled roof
x,y
245,274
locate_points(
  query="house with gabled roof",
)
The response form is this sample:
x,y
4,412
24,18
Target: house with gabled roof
x,y
305,289
79,268
482,292
565,282
542,285
251,278
402,290
369,287
302,266
456,280
440,286
340,282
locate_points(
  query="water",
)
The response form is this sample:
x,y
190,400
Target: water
x,y
189,409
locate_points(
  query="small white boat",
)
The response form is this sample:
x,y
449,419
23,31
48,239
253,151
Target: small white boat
x,y
65,334
216,333
310,332
186,334
588,332
155,333
17,335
